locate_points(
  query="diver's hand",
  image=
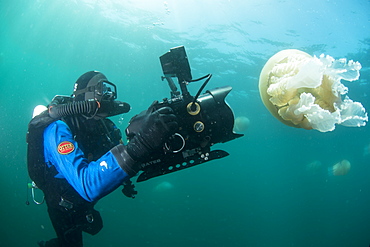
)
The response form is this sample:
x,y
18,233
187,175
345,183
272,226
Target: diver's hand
x,y
147,132
156,126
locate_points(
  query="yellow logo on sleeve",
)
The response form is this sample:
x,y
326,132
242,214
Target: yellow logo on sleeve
x,y
66,147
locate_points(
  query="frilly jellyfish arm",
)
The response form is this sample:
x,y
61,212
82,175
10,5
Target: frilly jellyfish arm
x,y
353,114
295,73
280,96
309,75
319,119
340,69
349,114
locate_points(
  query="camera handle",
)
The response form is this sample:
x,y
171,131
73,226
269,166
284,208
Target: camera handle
x,y
171,84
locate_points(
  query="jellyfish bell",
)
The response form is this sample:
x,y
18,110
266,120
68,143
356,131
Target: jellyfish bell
x,y
241,124
306,92
266,77
340,168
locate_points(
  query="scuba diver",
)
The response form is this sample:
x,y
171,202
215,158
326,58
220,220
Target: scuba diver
x,y
76,156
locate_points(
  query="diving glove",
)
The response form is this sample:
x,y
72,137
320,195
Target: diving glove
x,y
147,133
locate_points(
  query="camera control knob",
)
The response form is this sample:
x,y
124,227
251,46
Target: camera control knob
x,y
198,126
193,108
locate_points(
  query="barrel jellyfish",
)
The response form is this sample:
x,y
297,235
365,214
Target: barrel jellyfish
x,y
306,92
241,124
340,168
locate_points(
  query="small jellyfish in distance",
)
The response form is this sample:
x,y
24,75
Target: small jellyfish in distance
x,y
340,168
366,150
241,124
163,186
314,167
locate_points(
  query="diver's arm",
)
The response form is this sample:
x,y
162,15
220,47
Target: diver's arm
x,y
91,180
98,178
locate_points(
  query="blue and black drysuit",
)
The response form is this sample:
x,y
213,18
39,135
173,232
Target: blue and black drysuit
x,y
75,162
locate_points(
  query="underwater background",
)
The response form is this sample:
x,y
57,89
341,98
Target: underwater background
x,y
273,189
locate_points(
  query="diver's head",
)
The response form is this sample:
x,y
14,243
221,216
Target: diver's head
x,y
94,85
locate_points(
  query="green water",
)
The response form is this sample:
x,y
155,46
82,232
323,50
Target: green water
x,y
262,194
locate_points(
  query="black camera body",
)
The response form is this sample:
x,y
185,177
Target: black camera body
x,y
204,120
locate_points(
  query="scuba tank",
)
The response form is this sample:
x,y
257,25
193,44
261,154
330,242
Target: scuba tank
x,y
60,107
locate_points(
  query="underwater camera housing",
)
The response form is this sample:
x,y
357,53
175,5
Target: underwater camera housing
x,y
204,120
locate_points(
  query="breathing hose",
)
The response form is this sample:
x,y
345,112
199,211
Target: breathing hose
x,y
86,107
